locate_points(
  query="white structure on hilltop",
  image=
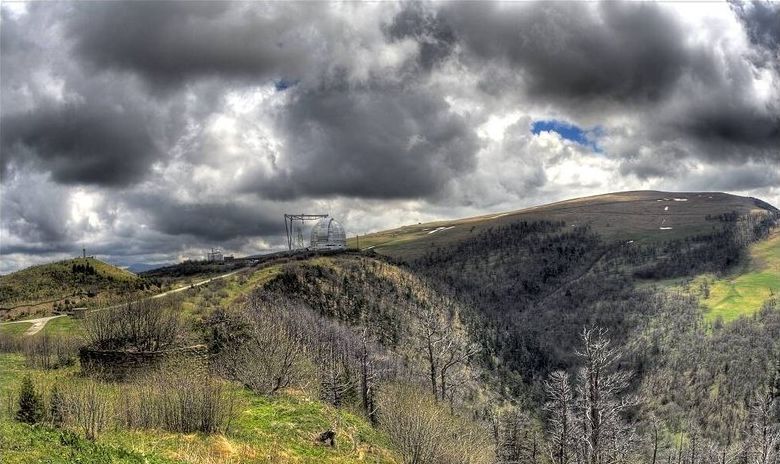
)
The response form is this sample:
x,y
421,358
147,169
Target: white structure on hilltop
x,y
328,234
215,255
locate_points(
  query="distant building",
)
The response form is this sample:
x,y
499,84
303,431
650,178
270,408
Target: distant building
x,y
328,234
215,255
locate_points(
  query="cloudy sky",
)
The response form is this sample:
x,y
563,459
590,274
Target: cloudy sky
x,y
149,132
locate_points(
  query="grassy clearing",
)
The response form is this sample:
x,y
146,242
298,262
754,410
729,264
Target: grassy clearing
x,y
64,326
275,429
14,329
743,294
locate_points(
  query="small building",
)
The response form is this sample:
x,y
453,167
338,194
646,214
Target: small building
x,y
215,255
328,234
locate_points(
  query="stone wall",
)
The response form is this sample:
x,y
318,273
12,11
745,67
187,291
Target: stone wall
x,y
119,365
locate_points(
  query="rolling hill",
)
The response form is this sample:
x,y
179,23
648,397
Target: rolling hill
x,y
515,290
642,216
81,281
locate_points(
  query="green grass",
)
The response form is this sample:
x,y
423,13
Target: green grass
x,y
35,290
225,292
744,294
14,329
22,444
275,429
64,326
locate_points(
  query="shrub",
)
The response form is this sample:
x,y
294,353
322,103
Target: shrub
x,y
56,406
90,408
267,351
30,403
178,399
423,431
146,325
44,351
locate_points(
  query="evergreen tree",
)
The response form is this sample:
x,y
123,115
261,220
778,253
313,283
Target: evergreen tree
x,y
30,403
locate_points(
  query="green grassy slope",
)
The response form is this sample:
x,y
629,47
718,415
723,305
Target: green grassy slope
x,y
743,293
37,288
274,429
638,216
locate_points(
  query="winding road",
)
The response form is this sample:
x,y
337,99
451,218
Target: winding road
x,y
39,323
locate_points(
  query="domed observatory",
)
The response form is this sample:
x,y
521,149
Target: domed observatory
x,y
328,234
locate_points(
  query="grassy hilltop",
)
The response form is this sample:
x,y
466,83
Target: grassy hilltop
x,y
81,281
643,216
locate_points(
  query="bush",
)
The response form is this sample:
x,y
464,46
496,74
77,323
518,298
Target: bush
x,y
178,399
146,325
90,408
30,403
423,431
44,351
56,407
263,347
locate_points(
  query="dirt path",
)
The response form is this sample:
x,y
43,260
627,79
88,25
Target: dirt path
x,y
39,323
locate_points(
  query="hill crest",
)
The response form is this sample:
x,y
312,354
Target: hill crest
x,y
643,216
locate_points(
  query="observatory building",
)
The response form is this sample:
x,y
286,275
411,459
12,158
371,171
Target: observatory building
x,y
328,234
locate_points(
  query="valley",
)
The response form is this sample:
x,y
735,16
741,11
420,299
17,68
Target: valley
x,y
467,320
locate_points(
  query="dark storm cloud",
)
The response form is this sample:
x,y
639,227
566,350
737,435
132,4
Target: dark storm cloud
x,y
81,144
217,221
762,22
434,36
563,50
729,130
385,142
169,42
36,213
739,178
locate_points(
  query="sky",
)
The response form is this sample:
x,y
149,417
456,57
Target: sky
x,y
150,132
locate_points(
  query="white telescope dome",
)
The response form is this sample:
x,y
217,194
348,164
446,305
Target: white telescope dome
x,y
328,234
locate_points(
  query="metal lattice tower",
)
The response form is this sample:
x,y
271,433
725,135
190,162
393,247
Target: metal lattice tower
x,y
293,224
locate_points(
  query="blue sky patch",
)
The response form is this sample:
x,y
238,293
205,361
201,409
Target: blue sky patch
x,y
586,138
284,84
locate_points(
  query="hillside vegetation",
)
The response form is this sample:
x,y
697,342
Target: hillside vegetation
x,y
85,282
642,216
743,292
277,429
497,341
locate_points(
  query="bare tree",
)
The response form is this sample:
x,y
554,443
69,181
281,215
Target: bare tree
x,y
560,401
445,345
367,379
600,399
270,353
517,439
764,437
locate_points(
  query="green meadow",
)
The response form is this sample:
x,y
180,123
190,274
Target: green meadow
x,y
743,294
